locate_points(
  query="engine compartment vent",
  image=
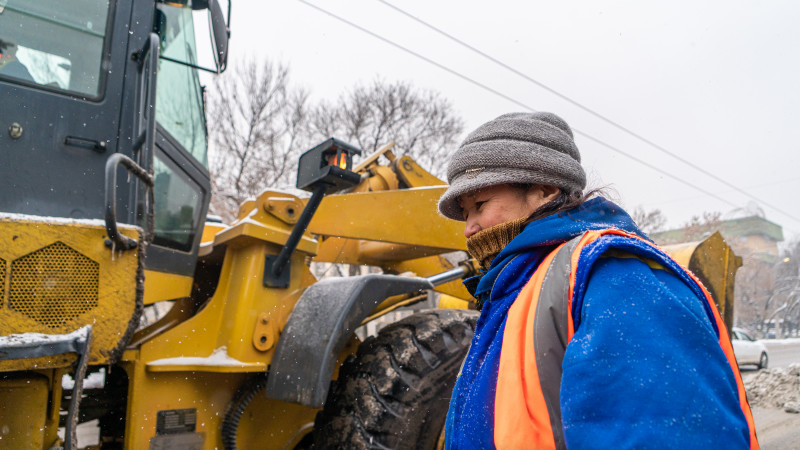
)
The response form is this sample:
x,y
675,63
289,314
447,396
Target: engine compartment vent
x,y
53,285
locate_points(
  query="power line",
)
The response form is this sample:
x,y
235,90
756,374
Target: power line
x,y
585,108
515,101
727,191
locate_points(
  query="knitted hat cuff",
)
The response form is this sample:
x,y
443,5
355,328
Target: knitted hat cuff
x,y
448,203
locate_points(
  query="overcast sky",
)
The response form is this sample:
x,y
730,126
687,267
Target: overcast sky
x,y
713,82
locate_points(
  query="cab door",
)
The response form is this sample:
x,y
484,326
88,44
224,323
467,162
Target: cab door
x,y
61,73
182,187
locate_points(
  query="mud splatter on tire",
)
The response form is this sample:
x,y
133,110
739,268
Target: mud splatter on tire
x,y
394,393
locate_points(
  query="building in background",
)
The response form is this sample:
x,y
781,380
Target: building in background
x,y
752,237
763,292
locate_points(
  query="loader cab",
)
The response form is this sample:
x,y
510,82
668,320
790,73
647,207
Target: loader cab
x,y
81,80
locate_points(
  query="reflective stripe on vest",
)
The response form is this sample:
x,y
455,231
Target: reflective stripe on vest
x,y
539,326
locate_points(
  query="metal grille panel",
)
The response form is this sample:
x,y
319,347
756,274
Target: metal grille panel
x,y
2,282
53,285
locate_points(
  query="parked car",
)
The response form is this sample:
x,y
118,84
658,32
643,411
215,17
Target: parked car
x,y
748,350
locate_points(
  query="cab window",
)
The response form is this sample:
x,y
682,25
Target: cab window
x,y
179,97
177,205
57,44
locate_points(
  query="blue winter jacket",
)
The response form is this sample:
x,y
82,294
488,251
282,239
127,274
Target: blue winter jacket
x,y
644,368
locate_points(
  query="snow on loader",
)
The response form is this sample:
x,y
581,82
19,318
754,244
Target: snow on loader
x,y
105,192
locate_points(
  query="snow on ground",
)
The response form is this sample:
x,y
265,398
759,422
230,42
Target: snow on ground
x,y
774,396
95,380
775,388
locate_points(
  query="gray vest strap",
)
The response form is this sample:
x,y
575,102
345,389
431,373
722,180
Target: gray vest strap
x,y
550,333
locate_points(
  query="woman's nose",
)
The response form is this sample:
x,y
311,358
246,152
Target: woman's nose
x,y
471,228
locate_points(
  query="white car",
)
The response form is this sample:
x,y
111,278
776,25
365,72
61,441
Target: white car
x,y
748,350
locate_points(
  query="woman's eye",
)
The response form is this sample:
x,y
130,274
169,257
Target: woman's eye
x,y
479,204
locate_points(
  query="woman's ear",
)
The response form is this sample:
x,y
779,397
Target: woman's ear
x,y
542,193
550,192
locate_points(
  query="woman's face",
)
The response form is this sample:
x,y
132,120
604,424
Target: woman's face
x,y
502,203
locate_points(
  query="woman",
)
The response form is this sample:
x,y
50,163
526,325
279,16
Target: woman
x,y
589,336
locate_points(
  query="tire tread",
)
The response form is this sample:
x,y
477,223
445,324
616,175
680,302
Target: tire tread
x,y
398,382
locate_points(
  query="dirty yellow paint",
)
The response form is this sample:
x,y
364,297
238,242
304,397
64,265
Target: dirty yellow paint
x,y
58,276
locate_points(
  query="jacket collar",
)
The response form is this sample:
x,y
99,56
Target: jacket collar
x,y
541,236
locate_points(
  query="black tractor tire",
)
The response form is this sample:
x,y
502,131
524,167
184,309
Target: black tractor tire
x,y
394,393
763,362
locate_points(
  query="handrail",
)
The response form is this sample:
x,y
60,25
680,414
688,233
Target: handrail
x,y
121,241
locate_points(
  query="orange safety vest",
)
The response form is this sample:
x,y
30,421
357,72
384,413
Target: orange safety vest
x,y
538,328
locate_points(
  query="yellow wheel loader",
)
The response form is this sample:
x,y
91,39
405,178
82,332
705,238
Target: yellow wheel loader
x,y
129,317
124,311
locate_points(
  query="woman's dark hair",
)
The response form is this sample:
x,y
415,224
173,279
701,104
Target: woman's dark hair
x,y
564,201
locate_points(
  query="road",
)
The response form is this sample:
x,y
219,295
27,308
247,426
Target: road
x,y
783,352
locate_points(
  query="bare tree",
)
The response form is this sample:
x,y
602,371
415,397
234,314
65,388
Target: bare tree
x,y
768,292
787,284
421,122
651,221
701,227
258,127
755,291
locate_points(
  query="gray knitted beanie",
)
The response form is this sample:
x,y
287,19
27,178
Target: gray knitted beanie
x,y
529,148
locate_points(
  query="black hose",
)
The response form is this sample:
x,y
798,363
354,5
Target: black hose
x,y
244,395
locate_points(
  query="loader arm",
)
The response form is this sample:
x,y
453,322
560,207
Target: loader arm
x,y
394,223
400,217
